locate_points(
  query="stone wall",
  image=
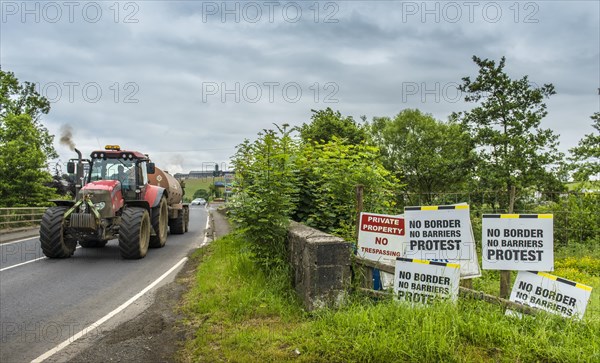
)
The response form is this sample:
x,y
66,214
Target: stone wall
x,y
321,266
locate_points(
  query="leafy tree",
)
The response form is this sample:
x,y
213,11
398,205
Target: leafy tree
x,y
585,157
22,99
25,144
22,162
201,193
428,155
513,151
325,124
328,176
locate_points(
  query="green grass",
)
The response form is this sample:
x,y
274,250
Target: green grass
x,y
242,315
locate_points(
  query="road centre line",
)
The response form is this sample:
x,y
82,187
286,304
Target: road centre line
x,y
26,262
18,241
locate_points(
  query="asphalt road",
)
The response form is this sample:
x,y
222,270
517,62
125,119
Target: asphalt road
x,y
45,302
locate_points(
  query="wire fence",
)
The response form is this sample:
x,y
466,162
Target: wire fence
x,y
576,214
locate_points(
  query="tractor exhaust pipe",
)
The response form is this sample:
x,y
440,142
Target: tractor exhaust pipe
x,y
79,173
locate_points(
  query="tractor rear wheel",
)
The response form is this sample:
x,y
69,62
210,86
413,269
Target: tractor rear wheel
x,y
160,223
177,225
52,234
95,243
134,233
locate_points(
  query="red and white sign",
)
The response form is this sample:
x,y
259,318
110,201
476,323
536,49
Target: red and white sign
x,y
381,237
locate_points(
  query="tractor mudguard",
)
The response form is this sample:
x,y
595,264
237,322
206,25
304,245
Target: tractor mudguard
x,y
153,195
138,203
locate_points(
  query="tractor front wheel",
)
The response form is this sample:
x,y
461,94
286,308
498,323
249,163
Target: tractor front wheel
x,y
134,233
52,234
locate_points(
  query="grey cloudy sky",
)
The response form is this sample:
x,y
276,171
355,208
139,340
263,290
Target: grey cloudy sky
x,y
186,81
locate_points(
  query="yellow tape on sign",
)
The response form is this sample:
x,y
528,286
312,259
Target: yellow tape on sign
x,y
509,216
583,287
547,216
548,276
426,262
565,281
461,207
430,207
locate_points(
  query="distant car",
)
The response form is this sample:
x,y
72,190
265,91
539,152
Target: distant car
x,y
198,201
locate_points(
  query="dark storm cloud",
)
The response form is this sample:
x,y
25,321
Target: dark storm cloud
x,y
166,70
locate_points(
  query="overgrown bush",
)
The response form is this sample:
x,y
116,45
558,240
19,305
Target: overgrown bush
x,y
266,191
576,217
279,177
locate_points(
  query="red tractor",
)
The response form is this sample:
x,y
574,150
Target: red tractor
x,y
125,196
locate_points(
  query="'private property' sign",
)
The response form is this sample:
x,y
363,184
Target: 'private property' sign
x,y
380,236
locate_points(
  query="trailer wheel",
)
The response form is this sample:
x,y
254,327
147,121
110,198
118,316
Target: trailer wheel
x,y
94,243
177,225
160,223
187,218
52,234
134,233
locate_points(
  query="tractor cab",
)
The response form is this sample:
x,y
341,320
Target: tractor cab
x,y
128,168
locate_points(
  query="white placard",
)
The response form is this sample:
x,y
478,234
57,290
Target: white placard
x,y
521,242
422,282
551,293
439,232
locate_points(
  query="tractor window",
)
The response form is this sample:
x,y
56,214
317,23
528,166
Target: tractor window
x,y
98,171
144,171
114,169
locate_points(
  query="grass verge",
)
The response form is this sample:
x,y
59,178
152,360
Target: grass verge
x,y
239,314
191,185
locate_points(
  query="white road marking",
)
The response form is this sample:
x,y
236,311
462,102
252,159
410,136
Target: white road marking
x,y
106,317
22,263
26,262
21,240
205,230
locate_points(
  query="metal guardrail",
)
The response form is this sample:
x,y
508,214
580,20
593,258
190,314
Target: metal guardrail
x,y
20,217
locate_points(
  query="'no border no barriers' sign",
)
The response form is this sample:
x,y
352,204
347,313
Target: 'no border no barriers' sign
x,y
551,293
419,281
518,242
439,232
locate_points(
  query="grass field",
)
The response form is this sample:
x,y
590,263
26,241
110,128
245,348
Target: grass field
x,y
241,315
191,185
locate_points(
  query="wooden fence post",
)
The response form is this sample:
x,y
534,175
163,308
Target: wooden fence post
x,y
505,274
359,206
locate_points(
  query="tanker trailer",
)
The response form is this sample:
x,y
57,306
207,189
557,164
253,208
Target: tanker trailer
x,y
178,212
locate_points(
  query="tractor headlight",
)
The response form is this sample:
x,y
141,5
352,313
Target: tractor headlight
x,y
82,207
100,205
